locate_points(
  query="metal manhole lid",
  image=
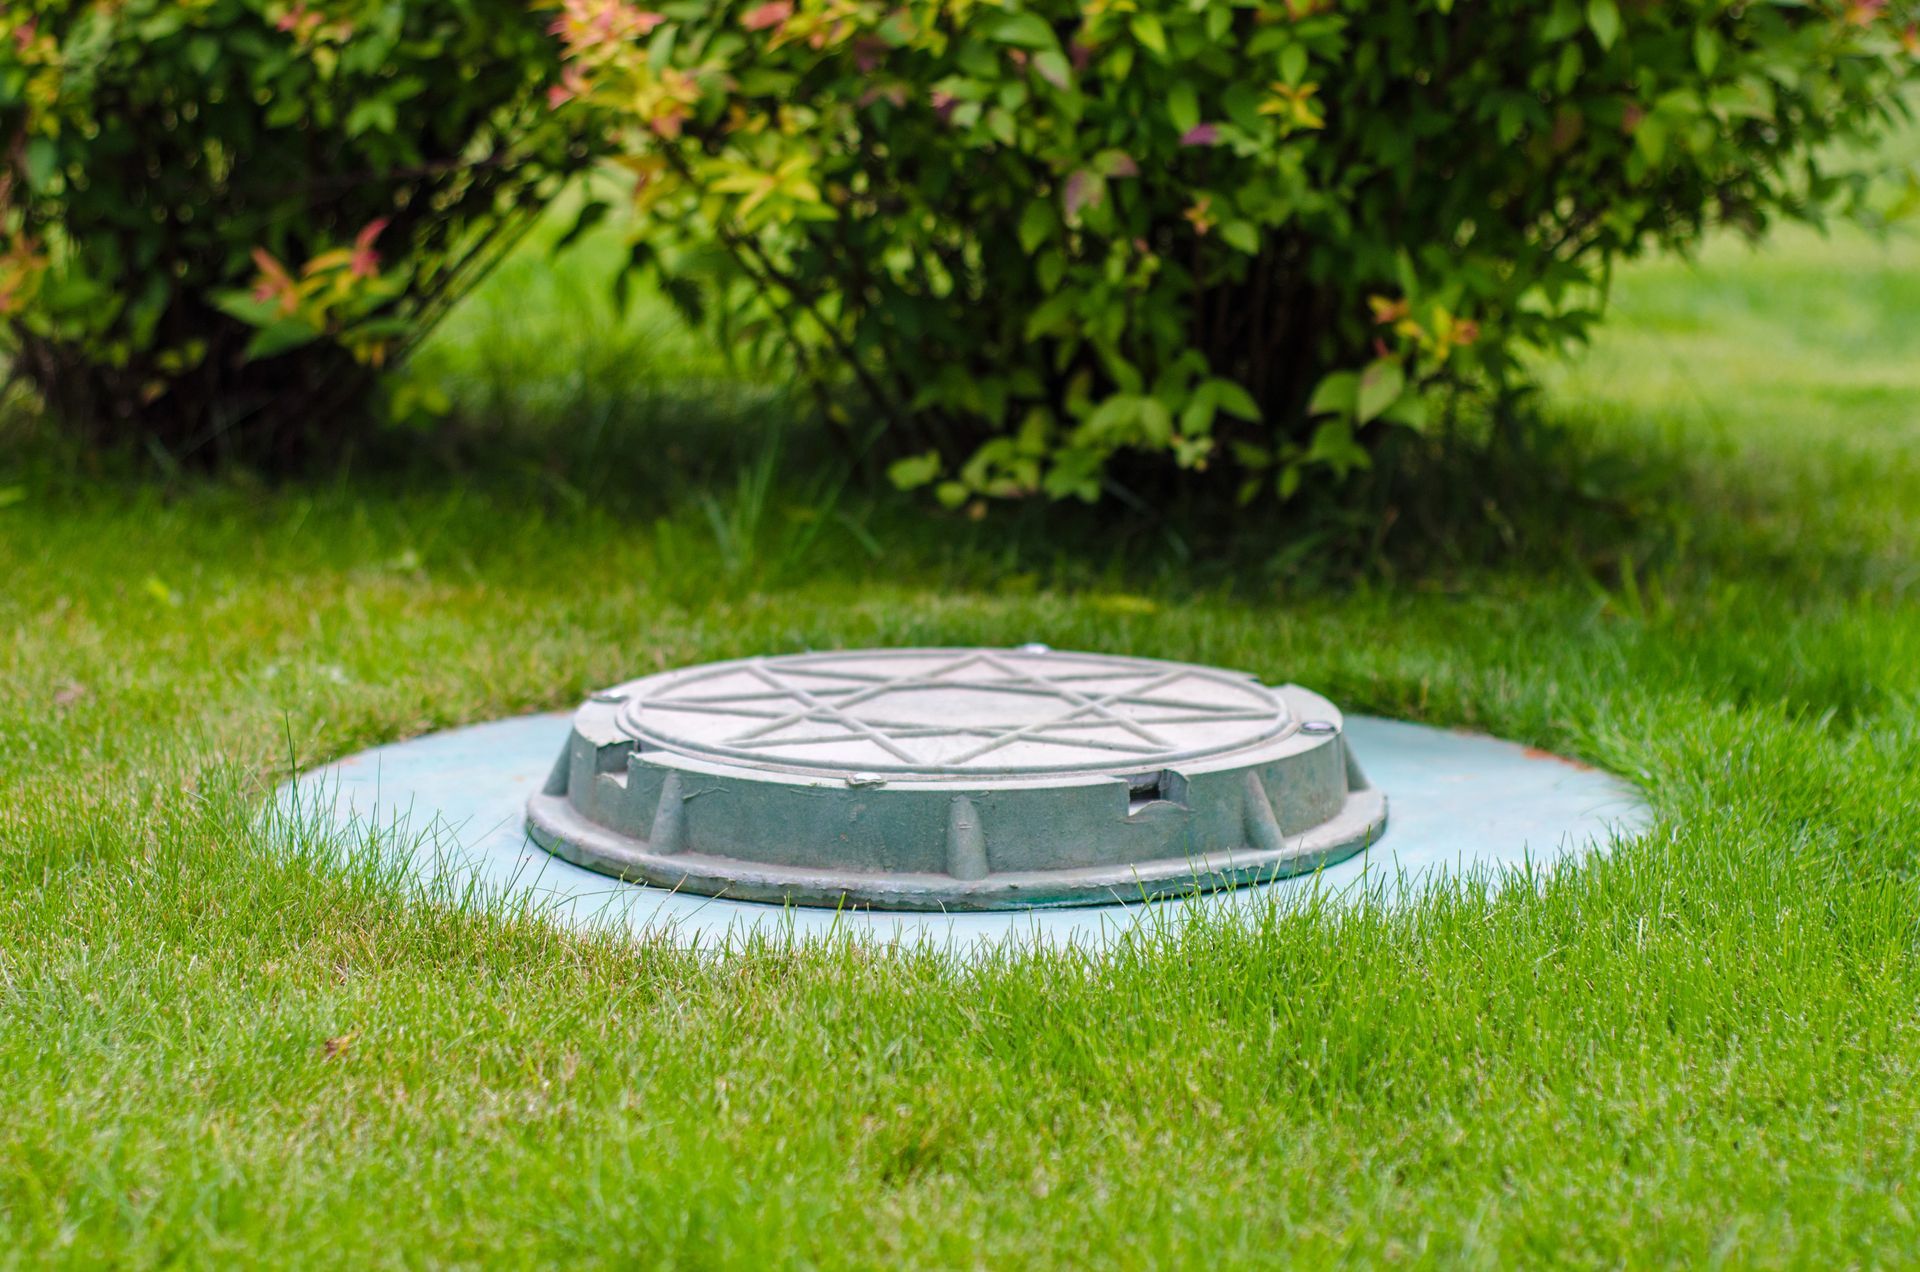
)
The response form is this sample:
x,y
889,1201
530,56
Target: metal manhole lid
x,y
954,779
942,712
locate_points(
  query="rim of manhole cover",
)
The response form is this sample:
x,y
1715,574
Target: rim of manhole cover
x,y
922,779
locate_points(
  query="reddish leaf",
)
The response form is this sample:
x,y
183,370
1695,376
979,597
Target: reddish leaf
x,y
770,14
366,261
1084,190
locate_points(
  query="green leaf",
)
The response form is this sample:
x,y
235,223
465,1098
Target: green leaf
x,y
1235,400
1036,225
1241,236
1706,49
1409,412
1050,269
1510,120
1196,418
1147,30
1334,446
163,24
11,495
202,52
1113,417
1156,422
1650,139
1241,101
43,162
1074,474
245,307
1562,21
1183,107
1335,395
279,337
1603,19
1053,67
1379,387
914,471
1054,314
1286,482
1293,63
1025,29
372,114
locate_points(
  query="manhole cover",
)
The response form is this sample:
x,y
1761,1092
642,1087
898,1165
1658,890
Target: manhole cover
x,y
923,779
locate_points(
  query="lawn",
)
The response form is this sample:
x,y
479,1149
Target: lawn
x,y
1702,1049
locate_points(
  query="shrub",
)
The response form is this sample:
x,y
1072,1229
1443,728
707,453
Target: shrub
x,y
221,217
1245,235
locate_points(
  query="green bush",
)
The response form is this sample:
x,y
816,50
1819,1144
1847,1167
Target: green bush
x,y
1251,236
222,217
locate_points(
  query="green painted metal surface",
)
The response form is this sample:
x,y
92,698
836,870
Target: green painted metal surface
x,y
954,779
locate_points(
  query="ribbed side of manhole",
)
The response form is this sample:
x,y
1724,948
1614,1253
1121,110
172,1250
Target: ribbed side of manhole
x,y
928,779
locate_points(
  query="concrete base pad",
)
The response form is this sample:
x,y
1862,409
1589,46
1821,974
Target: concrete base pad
x,y
1463,805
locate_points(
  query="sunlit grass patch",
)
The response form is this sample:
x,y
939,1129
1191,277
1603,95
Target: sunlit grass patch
x,y
223,1043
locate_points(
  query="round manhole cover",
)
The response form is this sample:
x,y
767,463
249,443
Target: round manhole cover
x,y
940,712
954,778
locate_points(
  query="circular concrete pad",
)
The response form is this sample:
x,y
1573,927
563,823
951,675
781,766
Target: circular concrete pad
x,y
1464,806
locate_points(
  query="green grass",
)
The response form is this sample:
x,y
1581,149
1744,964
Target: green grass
x,y
1703,1049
